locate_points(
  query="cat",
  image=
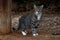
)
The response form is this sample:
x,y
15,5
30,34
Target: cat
x,y
30,21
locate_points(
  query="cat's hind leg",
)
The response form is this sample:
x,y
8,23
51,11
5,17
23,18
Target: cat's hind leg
x,y
24,32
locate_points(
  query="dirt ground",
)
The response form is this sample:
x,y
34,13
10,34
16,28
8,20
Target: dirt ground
x,y
18,36
45,31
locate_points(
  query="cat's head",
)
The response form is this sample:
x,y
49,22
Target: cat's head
x,y
38,9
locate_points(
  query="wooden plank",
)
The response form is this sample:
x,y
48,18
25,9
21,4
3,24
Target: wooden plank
x,y
5,18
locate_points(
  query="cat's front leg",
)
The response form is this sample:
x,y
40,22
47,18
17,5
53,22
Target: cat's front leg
x,y
35,31
34,27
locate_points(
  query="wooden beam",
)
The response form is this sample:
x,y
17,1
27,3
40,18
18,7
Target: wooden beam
x,y
5,21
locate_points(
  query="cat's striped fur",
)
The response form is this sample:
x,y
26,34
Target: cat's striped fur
x,y
31,21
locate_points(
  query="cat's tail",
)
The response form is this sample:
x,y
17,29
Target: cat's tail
x,y
19,26
16,29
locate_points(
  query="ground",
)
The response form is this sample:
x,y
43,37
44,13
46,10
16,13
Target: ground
x,y
17,36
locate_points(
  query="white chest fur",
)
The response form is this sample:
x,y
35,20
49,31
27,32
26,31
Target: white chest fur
x,y
38,15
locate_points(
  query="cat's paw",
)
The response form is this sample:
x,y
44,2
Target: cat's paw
x,y
24,33
35,34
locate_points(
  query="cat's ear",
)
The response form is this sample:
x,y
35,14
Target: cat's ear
x,y
41,7
35,7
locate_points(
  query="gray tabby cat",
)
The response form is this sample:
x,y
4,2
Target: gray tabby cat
x,y
30,21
